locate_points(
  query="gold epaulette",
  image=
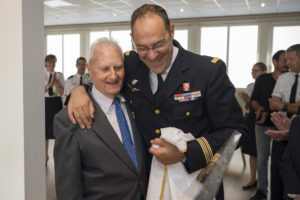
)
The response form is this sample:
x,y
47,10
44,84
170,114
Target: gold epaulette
x,y
127,53
208,167
214,60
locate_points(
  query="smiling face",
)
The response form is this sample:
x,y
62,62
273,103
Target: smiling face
x,y
153,42
50,66
256,72
107,70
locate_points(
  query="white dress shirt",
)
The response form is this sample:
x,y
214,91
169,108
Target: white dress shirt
x,y
249,89
284,85
109,109
74,81
153,77
59,77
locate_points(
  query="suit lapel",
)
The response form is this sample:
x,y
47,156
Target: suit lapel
x,y
105,131
174,79
145,83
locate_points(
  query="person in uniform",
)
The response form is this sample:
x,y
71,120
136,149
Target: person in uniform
x,y
79,78
53,90
250,146
168,86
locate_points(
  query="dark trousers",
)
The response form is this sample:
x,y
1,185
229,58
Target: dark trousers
x,y
276,182
220,193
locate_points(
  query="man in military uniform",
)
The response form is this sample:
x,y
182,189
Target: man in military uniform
x,y
168,86
77,79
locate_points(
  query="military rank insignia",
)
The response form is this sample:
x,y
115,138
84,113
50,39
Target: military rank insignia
x,y
134,81
189,96
186,87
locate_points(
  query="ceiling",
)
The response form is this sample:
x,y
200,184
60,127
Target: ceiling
x,y
59,12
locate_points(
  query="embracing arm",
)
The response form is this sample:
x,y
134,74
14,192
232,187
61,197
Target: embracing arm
x,y
80,107
67,159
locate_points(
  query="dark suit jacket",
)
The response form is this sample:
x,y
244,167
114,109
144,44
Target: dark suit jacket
x,y
93,164
213,116
290,162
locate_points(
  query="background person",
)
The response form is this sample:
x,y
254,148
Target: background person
x,y
53,90
249,147
262,91
77,79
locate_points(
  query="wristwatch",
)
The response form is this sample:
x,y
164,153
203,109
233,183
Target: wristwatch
x,y
284,108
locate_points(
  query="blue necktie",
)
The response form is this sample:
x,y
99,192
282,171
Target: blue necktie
x,y
125,132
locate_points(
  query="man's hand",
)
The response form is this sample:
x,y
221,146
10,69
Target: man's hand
x,y
278,135
262,119
80,108
276,103
167,153
281,121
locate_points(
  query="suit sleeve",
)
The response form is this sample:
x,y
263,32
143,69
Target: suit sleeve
x,y
67,159
224,116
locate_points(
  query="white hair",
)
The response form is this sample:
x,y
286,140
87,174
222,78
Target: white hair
x,y
105,42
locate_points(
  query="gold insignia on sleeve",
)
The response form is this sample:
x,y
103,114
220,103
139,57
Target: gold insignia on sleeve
x,y
208,167
214,60
207,151
127,53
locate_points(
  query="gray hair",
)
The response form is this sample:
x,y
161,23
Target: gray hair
x,y
104,41
294,48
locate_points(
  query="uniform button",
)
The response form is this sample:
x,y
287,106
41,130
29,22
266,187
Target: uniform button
x,y
187,114
157,131
157,111
130,101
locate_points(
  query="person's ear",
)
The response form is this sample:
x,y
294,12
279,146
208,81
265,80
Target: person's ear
x,y
172,30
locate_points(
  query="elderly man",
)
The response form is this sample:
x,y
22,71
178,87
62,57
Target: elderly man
x,y
106,161
168,86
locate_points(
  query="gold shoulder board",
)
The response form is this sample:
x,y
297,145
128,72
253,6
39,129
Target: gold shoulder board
x,y
214,60
127,53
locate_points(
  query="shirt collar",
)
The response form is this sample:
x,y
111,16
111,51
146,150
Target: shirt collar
x,y
103,101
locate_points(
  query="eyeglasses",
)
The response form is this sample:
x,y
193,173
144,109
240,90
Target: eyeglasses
x,y
156,47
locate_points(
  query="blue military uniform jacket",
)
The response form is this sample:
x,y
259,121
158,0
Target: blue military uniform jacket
x,y
197,97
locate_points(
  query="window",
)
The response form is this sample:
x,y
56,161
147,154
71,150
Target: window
x,y
98,34
124,39
182,37
284,37
214,42
242,54
233,51
66,48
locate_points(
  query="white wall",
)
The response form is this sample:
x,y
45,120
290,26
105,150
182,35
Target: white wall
x,y
22,165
